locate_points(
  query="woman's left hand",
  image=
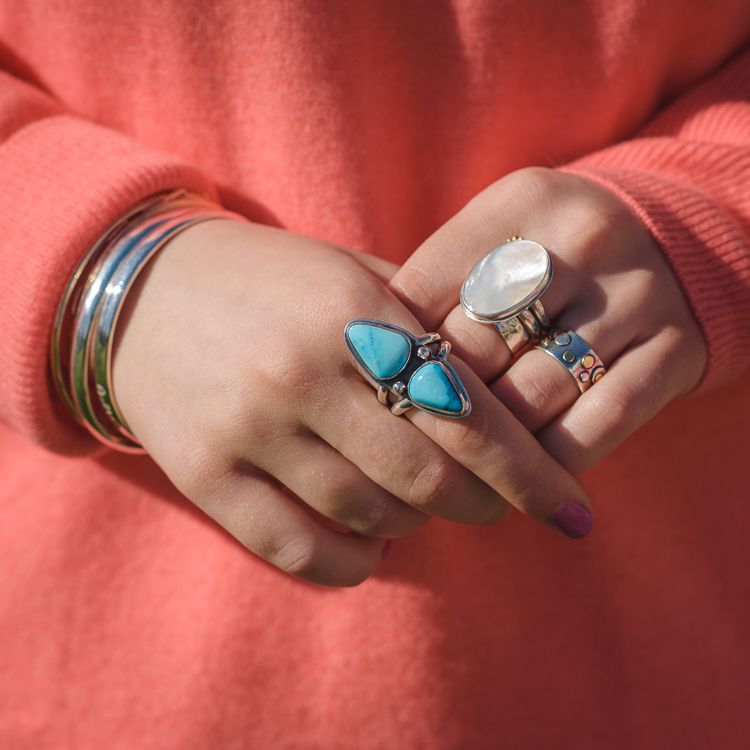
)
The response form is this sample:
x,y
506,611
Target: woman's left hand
x,y
611,284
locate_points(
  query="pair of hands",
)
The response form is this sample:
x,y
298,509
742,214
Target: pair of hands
x,y
231,368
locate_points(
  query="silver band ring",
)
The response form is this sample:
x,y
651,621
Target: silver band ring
x,y
575,354
407,370
504,288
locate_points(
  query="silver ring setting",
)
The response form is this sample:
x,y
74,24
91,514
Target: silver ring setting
x,y
504,289
575,354
407,370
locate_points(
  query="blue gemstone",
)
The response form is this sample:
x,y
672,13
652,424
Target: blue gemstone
x,y
430,386
382,351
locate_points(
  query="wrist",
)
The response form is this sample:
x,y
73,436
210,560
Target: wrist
x,y
87,317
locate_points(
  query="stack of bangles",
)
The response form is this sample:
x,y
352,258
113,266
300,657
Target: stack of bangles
x,y
84,328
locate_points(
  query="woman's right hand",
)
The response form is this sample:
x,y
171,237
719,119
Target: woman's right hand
x,y
231,369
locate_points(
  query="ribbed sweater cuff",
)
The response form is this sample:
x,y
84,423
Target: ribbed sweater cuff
x,y
707,250
63,181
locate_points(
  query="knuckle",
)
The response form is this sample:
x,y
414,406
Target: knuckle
x,y
370,520
617,406
476,345
239,413
531,393
531,184
349,293
467,438
296,555
345,298
293,374
345,503
433,482
248,426
416,281
201,468
644,288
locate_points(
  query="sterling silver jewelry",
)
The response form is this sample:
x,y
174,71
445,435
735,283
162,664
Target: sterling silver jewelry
x,y
504,289
134,260
81,344
575,354
99,420
407,370
62,330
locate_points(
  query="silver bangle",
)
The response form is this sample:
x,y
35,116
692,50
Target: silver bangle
x,y
86,406
90,307
112,303
60,341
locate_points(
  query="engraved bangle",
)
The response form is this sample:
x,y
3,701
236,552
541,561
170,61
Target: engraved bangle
x,y
111,306
80,347
61,339
86,407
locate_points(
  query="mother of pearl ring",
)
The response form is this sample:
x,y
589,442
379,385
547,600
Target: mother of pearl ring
x,y
504,289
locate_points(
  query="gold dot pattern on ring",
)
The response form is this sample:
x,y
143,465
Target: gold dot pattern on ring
x,y
587,368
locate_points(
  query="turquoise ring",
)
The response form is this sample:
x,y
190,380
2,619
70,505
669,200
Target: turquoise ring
x,y
407,370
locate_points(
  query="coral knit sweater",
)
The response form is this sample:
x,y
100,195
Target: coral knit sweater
x,y
130,621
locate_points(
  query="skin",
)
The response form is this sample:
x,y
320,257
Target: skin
x,y
231,368
612,285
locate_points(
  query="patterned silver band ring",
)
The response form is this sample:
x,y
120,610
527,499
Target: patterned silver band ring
x,y
575,354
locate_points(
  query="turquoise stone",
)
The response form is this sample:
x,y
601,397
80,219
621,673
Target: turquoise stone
x,y
430,386
382,351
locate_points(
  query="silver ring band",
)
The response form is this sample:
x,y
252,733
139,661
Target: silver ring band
x,y
575,354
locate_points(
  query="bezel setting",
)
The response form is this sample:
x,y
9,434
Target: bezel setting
x,y
394,390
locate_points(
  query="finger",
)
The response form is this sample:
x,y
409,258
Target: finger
x,y
637,386
383,269
481,346
429,281
402,460
426,283
537,388
495,446
337,489
255,510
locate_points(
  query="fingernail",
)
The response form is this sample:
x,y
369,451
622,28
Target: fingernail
x,y
386,549
573,519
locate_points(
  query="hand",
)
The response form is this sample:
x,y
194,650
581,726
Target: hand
x,y
231,368
611,284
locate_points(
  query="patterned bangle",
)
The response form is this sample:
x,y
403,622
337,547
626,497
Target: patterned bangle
x,y
81,348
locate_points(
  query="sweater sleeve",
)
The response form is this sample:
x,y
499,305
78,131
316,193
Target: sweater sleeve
x,y
686,175
63,181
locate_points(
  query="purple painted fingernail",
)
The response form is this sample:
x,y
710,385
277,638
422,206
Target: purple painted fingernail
x,y
386,549
573,519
